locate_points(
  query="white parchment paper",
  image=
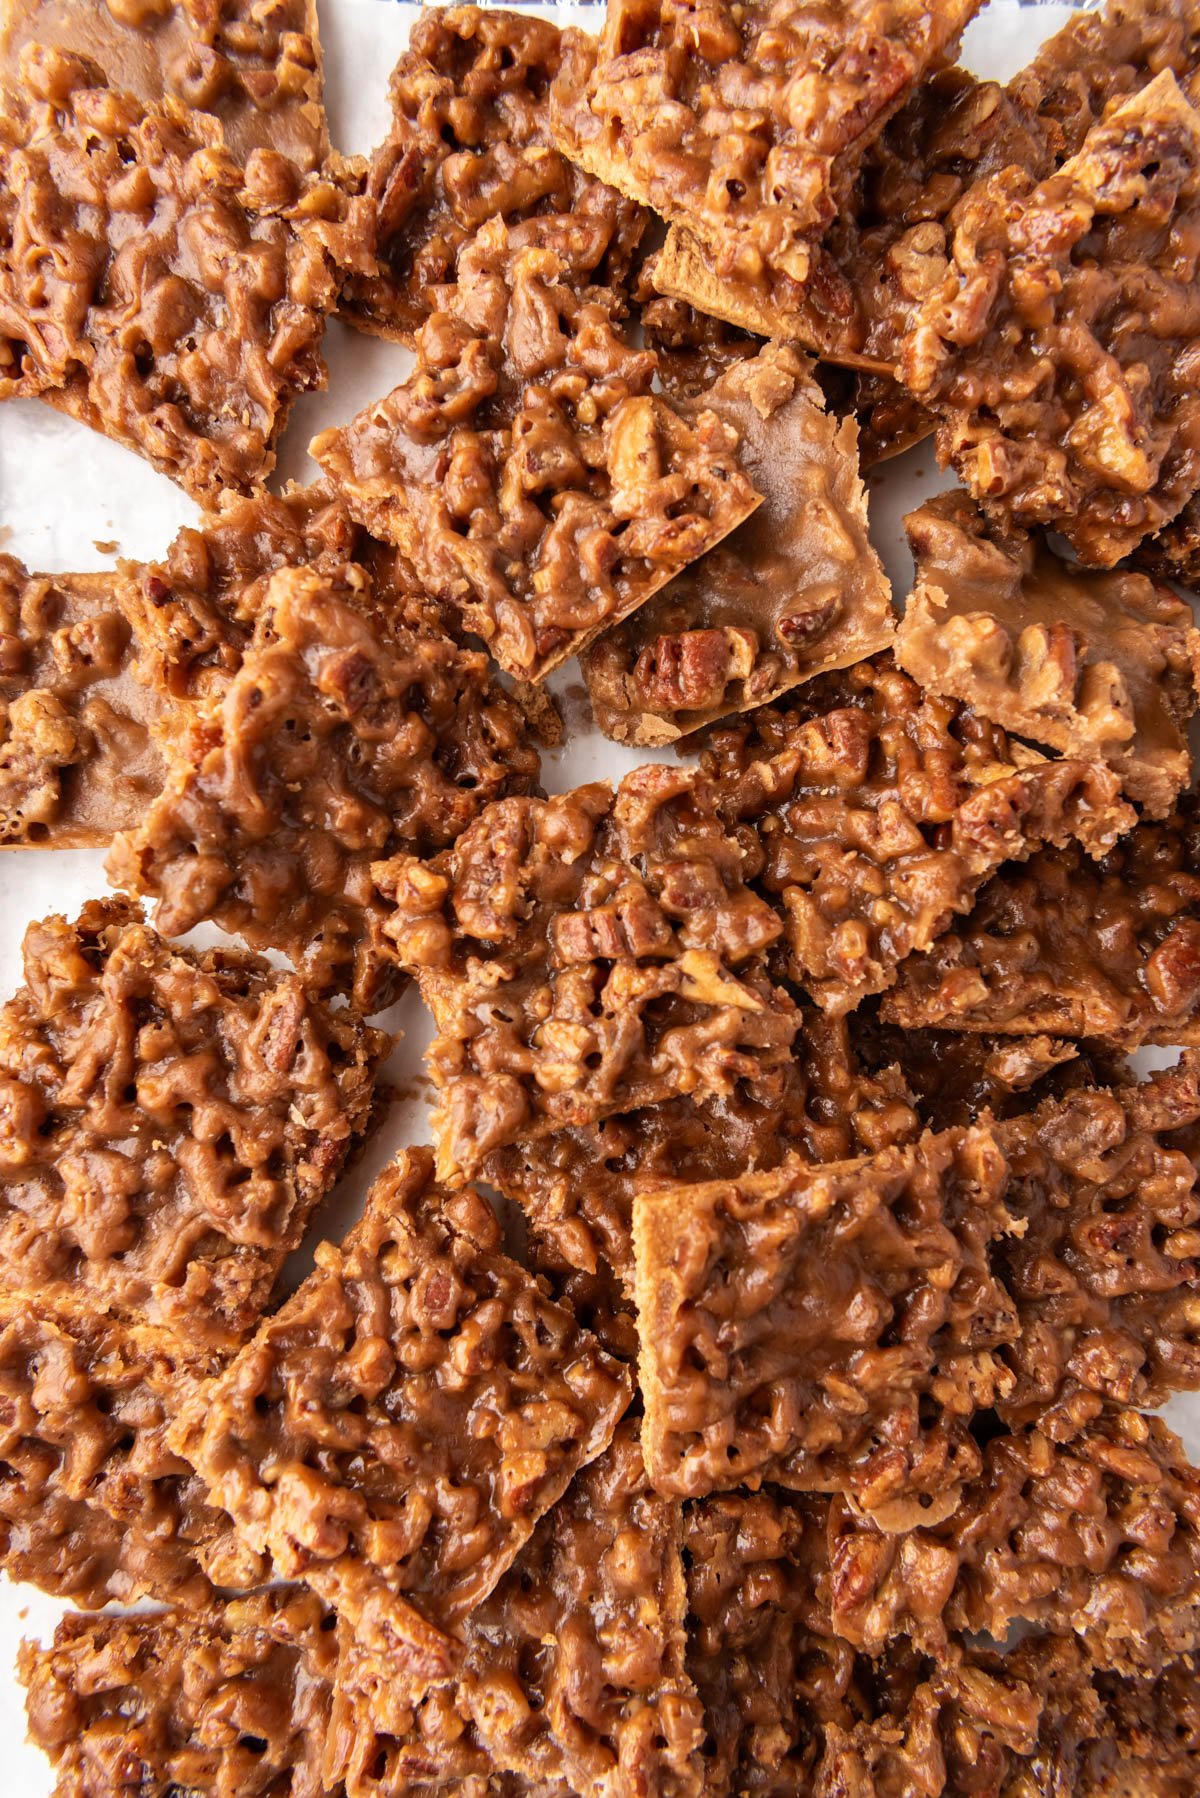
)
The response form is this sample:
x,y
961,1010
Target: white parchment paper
x,y
69,501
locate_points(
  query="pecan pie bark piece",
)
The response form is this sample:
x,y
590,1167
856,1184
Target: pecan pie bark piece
x,y
577,1186
395,1431
342,738
1107,950
827,1328
1091,664
881,811
1085,1523
525,468
78,754
585,955
233,1701
790,1707
743,122
889,420
575,1664
193,291
795,590
1103,1269
470,141
93,1504
1058,351
255,64
172,1119
888,246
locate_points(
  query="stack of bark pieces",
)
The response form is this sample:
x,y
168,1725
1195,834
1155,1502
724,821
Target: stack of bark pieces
x,y
754,1391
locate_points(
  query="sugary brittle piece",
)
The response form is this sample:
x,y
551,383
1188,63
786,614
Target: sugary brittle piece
x,y
342,738
889,420
830,1328
881,811
525,467
795,590
233,1701
94,1506
1092,664
575,1664
788,1320
1104,1268
1058,349
577,1185
190,293
173,1117
255,64
470,141
585,955
791,1708
744,123
1087,1522
877,258
78,756
888,246
394,1432
1072,947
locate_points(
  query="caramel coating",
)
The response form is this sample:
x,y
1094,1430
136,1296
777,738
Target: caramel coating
x,y
348,1437
78,756
172,1120
235,1701
1084,1522
825,1328
254,64
577,1185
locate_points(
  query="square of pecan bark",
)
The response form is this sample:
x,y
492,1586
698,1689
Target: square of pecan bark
x,y
887,247
254,64
344,736
94,1506
792,1707
194,289
744,123
526,467
1103,1270
470,141
1084,1522
880,811
1101,665
1107,950
826,1328
234,1700
395,1431
1058,349
795,590
585,955
173,1119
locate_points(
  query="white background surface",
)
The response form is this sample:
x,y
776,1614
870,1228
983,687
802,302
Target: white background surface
x,y
71,501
